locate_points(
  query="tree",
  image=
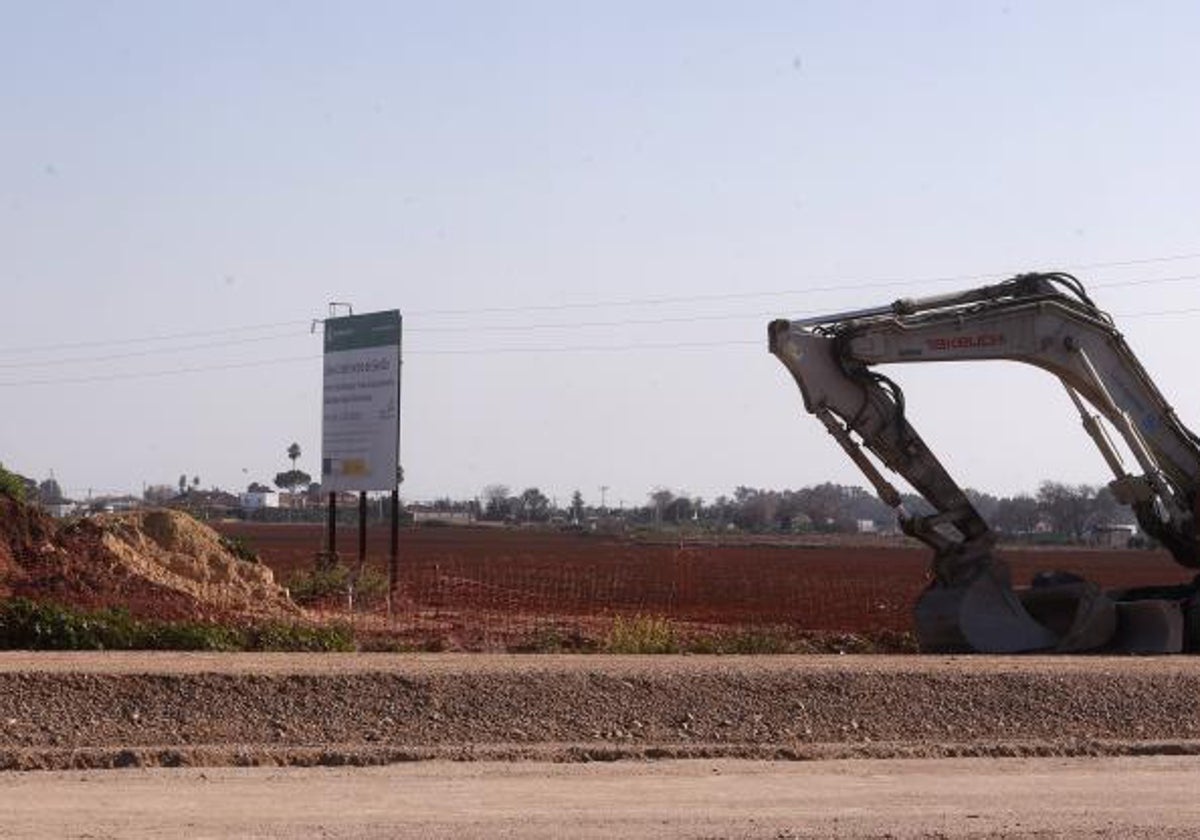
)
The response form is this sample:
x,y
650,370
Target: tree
x,y
825,506
660,499
292,479
11,484
495,505
293,452
1068,508
985,503
755,509
182,484
49,493
255,487
1016,514
157,494
577,507
679,510
533,505
721,511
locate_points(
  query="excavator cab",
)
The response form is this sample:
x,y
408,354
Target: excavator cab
x,y
1046,320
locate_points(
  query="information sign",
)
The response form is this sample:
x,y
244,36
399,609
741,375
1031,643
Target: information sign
x,y
360,429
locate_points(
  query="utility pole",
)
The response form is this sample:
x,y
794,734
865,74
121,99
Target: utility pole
x,y
603,497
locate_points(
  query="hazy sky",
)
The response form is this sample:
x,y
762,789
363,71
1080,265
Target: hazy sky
x,y
587,213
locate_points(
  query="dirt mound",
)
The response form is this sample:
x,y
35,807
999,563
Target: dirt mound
x,y
157,564
173,550
25,531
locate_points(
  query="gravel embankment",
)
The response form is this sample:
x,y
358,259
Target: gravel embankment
x,y
103,710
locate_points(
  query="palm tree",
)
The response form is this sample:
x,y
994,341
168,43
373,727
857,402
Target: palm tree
x,y
293,452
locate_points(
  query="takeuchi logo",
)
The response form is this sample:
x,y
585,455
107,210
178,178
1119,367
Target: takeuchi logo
x,y
966,342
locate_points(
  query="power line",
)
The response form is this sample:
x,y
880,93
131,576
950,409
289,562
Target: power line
x,y
142,353
79,345
622,322
154,374
831,286
489,351
1145,281
467,351
828,286
1187,311
594,348
473,351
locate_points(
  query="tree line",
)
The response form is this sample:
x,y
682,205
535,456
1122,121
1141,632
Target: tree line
x,y
1070,510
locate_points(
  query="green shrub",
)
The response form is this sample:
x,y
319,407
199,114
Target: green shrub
x,y
240,549
317,585
552,639
26,624
641,634
29,625
277,636
323,584
190,635
11,484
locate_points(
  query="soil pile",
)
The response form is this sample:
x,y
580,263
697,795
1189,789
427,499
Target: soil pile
x,y
24,532
158,564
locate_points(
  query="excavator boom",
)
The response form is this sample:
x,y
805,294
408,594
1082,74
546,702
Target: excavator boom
x,y
1045,320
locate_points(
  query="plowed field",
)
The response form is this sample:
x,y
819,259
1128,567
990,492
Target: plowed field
x,y
491,575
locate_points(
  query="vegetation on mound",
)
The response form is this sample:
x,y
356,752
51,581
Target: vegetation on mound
x,y
319,585
240,549
11,484
30,625
655,634
641,634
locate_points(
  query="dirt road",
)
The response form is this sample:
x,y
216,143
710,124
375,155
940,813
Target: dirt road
x,y
981,798
587,746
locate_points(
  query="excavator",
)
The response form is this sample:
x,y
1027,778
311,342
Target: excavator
x,y
1046,320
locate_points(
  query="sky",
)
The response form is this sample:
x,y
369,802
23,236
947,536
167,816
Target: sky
x,y
587,214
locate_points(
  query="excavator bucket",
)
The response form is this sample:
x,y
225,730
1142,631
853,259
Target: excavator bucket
x,y
986,615
981,616
1077,611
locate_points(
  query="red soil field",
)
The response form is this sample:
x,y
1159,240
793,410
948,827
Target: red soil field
x,y
739,581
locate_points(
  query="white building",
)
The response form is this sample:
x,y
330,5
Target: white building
x,y
258,500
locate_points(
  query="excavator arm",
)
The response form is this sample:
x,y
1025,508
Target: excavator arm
x,y
1046,320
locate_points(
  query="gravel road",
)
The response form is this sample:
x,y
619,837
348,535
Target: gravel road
x,y
61,711
1094,798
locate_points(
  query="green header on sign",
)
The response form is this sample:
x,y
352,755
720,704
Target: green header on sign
x,y
355,332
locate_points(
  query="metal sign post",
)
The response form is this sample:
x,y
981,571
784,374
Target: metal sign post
x,y
394,554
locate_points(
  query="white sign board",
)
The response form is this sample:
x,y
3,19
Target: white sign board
x,y
360,429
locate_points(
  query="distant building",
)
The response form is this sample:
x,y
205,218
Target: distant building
x,y
258,500
1114,536
206,504
431,513
114,504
